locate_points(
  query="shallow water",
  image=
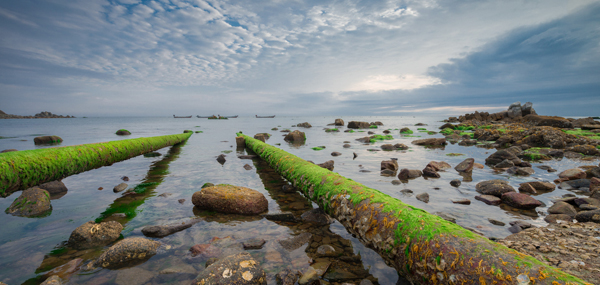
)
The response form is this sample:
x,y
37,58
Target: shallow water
x,y
30,247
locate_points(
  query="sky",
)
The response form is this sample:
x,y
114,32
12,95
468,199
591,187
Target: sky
x,y
290,58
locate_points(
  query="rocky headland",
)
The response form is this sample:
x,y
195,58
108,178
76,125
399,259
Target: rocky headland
x,y
40,115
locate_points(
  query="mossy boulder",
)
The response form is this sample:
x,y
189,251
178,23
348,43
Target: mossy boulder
x,y
33,202
92,234
240,269
230,199
406,131
47,140
295,136
123,132
127,252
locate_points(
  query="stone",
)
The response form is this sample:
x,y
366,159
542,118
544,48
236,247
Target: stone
x,y
255,243
295,136
406,191
387,147
295,242
165,230
465,166
92,234
181,201
326,250
455,182
66,270
554,218
123,132
575,184
462,201
496,222
317,217
286,277
504,164
527,188
127,251
439,165
489,199
205,185
120,187
401,146
239,269
358,125
572,174
538,186
430,172
281,217
588,216
430,142
406,174
240,142
247,167
327,165
520,201
501,155
584,149
133,276
494,187
339,122
205,251
522,171
56,189
221,159
423,197
561,207
304,125
33,202
335,153
47,140
348,146
230,199
389,164
52,280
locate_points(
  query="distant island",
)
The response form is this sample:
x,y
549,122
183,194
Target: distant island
x,y
40,115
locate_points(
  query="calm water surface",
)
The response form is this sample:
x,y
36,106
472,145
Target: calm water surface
x,y
31,247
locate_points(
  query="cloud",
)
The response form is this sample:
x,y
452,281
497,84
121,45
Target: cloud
x,y
394,82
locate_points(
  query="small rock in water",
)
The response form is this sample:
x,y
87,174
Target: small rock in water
x,y
247,167
455,182
100,188
335,153
32,202
462,201
181,201
239,268
255,243
423,197
120,187
406,191
125,178
396,182
165,230
92,234
132,249
466,165
489,199
496,222
165,195
221,159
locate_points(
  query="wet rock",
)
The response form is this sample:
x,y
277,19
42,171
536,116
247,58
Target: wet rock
x,y
406,174
181,201
165,230
120,187
296,242
248,156
439,165
583,201
465,166
335,153
339,274
358,125
504,164
423,197
133,276
496,222
47,140
66,270
588,216
255,243
354,155
56,189
501,155
327,165
295,136
554,218
33,202
247,167
52,280
575,184
205,251
489,199
240,142
430,172
387,147
230,199
205,185
572,174
430,142
304,125
348,146
406,191
455,182
339,122
221,159
518,226
520,201
537,186
92,234
462,201
494,187
127,251
584,149
239,269
527,188
522,171
389,164
286,277
317,216
9,150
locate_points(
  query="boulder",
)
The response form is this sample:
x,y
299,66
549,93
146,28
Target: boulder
x,y
339,122
527,109
584,149
123,132
401,146
501,155
52,280
489,199
165,230
554,218
550,121
429,171
466,165
56,189
92,234
358,125
538,186
304,125
33,202
295,136
523,171
575,184
239,269
431,142
494,187
230,199
515,112
572,174
406,173
261,137
47,140
389,164
128,251
255,243
388,147
240,142
439,165
520,201
588,216
504,164
221,159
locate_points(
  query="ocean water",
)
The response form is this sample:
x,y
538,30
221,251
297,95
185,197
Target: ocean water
x,y
32,247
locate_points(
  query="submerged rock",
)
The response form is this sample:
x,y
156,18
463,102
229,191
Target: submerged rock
x,y
165,230
32,202
52,280
317,217
128,251
92,234
230,199
238,269
47,140
56,189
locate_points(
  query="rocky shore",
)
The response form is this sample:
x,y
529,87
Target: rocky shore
x,y
40,115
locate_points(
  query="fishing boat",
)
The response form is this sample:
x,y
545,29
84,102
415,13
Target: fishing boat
x,y
265,116
203,116
182,117
217,117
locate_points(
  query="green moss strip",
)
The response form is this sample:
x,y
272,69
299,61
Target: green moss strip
x,y
407,237
23,169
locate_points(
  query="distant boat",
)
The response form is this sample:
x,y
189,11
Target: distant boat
x,y
203,117
265,116
231,117
217,117
182,117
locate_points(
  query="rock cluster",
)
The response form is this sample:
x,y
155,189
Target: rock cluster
x,y
40,115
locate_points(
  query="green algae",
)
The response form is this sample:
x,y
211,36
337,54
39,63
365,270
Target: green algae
x,y
535,154
317,148
377,138
24,169
421,129
408,132
351,131
415,226
463,128
331,130
467,133
447,131
583,133
454,154
373,127
431,133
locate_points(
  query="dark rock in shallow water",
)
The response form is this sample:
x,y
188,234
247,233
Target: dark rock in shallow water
x,y
128,251
430,172
317,217
520,201
588,216
358,125
33,202
286,277
230,199
494,187
221,158
255,243
423,197
489,199
296,242
282,217
92,234
56,189
123,132
466,165
165,230
47,140
120,187
455,182
240,269
561,207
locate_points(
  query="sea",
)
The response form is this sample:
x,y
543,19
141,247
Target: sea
x,y
34,248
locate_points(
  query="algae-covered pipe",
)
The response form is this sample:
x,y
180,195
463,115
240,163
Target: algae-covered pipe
x,y
424,248
23,169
